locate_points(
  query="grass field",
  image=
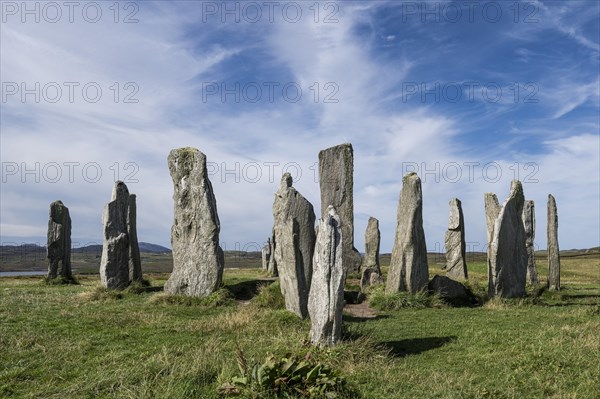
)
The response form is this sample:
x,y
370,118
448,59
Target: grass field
x,y
75,341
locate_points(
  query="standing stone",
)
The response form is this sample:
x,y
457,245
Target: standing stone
x,y
371,274
553,251
198,259
294,230
508,255
59,242
135,263
272,265
114,263
409,270
456,265
266,254
492,210
529,225
336,167
326,299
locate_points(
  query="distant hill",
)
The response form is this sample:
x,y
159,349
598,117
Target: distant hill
x,y
153,248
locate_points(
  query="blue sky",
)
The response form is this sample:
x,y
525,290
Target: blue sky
x,y
460,91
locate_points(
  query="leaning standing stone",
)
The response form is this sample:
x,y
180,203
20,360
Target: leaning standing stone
x,y
336,168
59,242
114,263
529,224
408,267
294,229
135,263
508,255
553,251
371,274
456,265
326,299
198,259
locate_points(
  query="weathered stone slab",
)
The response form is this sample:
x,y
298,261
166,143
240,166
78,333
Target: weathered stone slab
x,y
336,168
114,263
553,250
408,267
529,225
198,259
272,265
59,242
326,299
371,270
294,232
492,210
508,255
451,291
456,264
135,263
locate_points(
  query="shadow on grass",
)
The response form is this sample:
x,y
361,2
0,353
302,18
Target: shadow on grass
x,y
415,346
246,290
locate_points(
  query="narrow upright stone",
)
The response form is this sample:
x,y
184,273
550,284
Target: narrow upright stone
x,y
371,270
553,251
529,224
198,259
408,267
294,229
114,263
272,265
336,168
326,299
508,255
456,264
59,242
266,254
492,210
135,262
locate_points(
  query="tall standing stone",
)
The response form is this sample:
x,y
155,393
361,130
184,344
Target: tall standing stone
x,y
336,168
294,229
529,225
114,263
198,259
326,299
408,267
492,210
135,263
456,264
371,273
508,255
59,242
553,251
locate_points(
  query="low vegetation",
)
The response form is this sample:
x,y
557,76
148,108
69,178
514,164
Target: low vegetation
x,y
81,341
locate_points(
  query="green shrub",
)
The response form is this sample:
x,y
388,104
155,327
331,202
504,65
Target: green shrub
x,y
269,297
381,300
289,375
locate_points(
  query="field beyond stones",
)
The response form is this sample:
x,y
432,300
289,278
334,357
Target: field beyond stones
x,y
77,341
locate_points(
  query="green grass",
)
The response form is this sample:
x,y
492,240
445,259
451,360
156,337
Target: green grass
x,y
79,341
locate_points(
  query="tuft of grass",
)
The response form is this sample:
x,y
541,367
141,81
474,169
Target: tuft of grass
x,y
138,287
222,297
269,297
100,294
59,281
381,300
